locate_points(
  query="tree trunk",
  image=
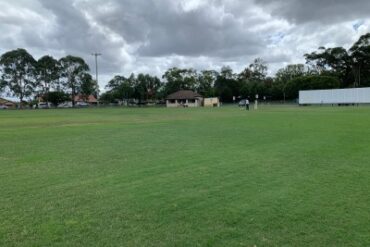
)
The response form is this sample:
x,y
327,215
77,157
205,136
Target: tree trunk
x,y
73,97
21,100
46,93
21,93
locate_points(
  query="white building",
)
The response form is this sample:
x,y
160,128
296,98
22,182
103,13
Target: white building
x,y
335,96
184,98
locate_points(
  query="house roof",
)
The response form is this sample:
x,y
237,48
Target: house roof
x,y
184,94
6,102
89,99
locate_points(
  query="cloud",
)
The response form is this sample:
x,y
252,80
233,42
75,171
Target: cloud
x,y
151,36
318,11
163,28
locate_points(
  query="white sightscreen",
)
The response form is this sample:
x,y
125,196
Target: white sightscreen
x,y
335,96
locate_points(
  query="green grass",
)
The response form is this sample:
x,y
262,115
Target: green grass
x,y
280,176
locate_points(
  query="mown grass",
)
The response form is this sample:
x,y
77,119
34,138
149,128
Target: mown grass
x,y
280,176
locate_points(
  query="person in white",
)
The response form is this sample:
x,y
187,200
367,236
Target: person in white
x,y
247,104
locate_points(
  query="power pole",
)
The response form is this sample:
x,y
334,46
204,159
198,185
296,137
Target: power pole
x,y
96,55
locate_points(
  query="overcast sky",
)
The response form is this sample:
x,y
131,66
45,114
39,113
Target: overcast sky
x,y
150,36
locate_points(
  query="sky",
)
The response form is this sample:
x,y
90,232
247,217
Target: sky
x,y
151,36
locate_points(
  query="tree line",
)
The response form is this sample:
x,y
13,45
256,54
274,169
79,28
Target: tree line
x,y
326,68
55,80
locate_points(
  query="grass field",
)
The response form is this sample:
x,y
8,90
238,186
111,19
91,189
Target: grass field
x,y
281,176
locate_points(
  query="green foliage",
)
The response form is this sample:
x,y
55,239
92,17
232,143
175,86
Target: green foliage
x,y
258,70
334,62
352,67
108,97
311,83
74,72
250,82
180,79
18,73
226,85
283,77
121,88
253,80
88,86
56,97
147,87
2,84
206,82
143,87
48,73
360,54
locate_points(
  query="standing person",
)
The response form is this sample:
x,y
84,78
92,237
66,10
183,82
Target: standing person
x,y
247,104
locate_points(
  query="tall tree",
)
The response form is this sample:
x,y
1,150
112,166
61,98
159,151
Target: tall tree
x,y
253,80
48,73
332,62
227,73
206,82
115,82
227,85
180,79
2,83
56,97
285,75
360,54
258,69
18,73
73,71
120,88
88,86
311,82
147,86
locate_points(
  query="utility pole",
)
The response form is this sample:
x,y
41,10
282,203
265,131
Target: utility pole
x,y
96,55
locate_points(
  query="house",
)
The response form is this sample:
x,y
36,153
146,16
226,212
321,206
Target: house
x,y
184,98
211,102
7,103
90,99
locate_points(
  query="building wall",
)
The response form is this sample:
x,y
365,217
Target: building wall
x,y
8,103
184,103
335,96
211,102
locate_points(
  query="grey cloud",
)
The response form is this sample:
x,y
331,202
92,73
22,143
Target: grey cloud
x,y
162,28
321,11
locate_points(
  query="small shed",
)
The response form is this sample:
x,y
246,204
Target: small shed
x,y
184,98
211,102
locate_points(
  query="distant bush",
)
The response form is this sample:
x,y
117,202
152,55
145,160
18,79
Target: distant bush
x,y
56,97
108,97
311,83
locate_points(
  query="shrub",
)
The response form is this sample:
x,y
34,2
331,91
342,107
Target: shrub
x,y
311,83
